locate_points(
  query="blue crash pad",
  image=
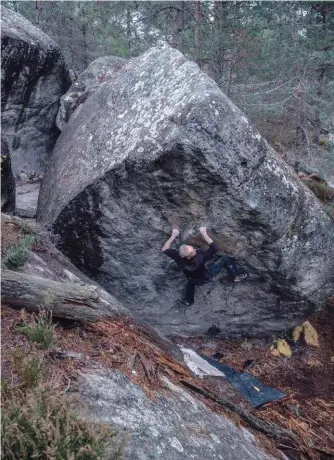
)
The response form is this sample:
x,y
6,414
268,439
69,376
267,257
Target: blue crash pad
x,y
250,387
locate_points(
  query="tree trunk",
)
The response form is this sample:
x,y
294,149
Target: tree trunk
x,y
128,27
324,9
85,59
219,9
179,26
37,12
74,301
80,302
198,38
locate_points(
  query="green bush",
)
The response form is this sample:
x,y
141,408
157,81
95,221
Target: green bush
x,y
32,373
17,253
39,424
40,329
27,369
330,209
321,190
37,420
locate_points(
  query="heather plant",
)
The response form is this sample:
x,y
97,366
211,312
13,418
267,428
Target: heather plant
x,y
39,423
40,329
321,190
37,420
28,369
17,253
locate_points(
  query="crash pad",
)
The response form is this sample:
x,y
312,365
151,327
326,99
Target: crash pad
x,y
251,388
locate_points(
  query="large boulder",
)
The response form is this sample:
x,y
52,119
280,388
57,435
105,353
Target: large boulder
x,y
99,71
162,140
33,78
7,179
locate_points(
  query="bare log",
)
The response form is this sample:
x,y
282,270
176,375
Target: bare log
x,y
75,301
59,354
80,302
270,429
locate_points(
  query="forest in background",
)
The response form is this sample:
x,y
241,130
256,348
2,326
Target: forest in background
x,y
275,60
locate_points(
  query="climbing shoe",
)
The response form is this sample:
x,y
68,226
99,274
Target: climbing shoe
x,y
240,277
185,302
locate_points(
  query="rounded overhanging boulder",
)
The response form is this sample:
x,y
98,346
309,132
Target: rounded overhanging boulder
x,y
162,140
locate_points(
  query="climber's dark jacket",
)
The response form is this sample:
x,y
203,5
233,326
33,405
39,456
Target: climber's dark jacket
x,y
194,268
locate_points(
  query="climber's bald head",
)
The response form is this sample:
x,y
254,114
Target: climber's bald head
x,y
187,252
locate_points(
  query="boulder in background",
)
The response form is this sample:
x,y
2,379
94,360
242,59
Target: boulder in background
x,y
34,77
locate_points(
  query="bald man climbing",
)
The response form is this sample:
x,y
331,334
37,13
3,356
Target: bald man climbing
x,y
192,262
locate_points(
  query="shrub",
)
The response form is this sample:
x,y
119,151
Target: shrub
x,y
17,253
39,424
28,369
40,329
330,209
37,420
321,190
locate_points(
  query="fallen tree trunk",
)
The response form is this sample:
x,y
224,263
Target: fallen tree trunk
x,y
270,429
76,301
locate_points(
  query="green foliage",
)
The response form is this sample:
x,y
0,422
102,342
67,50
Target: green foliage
x,y
40,329
39,424
31,373
37,420
321,190
17,253
330,210
28,369
273,59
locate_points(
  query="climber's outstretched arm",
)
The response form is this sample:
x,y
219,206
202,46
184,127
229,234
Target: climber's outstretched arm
x,y
175,234
205,235
212,249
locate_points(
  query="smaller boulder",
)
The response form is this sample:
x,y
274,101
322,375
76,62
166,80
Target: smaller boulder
x,y
34,76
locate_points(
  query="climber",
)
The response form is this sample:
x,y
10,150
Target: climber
x,y
192,262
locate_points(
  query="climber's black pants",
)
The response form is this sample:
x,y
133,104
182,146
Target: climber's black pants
x,y
211,271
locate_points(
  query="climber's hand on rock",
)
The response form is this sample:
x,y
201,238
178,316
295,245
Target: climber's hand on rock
x,y
205,236
175,232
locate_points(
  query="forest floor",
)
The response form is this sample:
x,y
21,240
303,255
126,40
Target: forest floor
x,y
307,377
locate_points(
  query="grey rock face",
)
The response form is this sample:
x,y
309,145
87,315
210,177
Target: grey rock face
x,y
7,180
27,198
174,426
162,140
99,71
34,76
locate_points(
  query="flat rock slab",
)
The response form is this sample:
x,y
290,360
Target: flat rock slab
x,y
27,198
173,426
